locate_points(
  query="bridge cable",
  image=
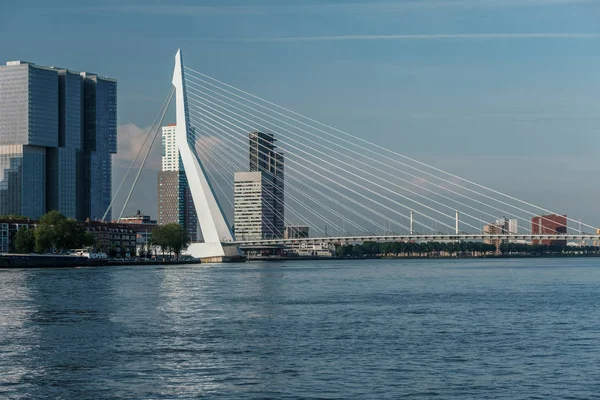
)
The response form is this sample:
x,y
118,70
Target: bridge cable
x,y
387,150
157,130
362,163
291,197
330,180
299,181
355,183
137,155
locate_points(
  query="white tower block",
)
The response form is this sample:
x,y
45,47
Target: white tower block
x,y
213,224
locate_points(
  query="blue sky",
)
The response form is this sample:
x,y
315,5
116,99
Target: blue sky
x,y
506,92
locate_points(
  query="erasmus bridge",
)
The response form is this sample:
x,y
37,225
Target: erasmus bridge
x,y
345,188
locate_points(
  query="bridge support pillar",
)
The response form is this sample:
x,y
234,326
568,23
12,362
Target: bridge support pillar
x,y
457,218
212,221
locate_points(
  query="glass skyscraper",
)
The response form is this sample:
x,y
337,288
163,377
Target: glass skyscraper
x,y
51,121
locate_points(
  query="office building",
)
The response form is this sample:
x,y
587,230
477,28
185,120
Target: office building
x,y
175,203
99,142
264,159
549,225
58,131
502,226
253,215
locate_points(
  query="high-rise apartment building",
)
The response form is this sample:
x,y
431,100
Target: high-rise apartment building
x,y
175,203
549,225
58,131
502,226
252,217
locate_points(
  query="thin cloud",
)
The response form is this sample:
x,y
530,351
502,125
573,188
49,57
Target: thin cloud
x,y
185,10
435,36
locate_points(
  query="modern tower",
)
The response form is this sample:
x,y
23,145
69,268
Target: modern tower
x,y
258,194
175,203
58,129
265,159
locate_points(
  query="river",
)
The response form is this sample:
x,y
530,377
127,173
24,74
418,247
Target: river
x,y
451,329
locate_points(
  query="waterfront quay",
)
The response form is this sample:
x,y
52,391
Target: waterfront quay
x,y
68,261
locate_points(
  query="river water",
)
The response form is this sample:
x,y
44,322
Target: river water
x,y
480,329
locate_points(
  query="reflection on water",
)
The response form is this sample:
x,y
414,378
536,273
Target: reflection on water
x,y
357,329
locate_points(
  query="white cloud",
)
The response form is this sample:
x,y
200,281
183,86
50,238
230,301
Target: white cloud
x,y
130,138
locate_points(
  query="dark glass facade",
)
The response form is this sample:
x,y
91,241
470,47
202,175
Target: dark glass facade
x,y
47,118
264,158
99,143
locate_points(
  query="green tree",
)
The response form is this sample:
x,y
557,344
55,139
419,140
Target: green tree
x,y
25,240
57,232
170,238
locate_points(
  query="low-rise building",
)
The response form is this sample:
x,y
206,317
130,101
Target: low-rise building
x,y
142,225
8,232
114,239
549,225
304,249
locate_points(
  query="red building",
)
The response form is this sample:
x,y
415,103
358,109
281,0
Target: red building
x,y
549,225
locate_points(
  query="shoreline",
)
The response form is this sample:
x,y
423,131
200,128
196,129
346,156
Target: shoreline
x,y
15,261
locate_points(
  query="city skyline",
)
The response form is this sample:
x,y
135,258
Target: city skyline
x,y
481,73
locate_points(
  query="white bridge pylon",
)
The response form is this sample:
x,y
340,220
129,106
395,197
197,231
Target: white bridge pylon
x,y
213,224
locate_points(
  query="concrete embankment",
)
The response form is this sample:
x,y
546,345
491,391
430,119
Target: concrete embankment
x,y
65,261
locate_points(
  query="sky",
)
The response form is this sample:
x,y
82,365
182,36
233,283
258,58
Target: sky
x,y
503,92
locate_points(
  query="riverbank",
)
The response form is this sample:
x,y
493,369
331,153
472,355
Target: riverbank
x,y
67,261
424,257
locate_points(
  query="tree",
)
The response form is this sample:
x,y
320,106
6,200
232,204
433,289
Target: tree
x,y
170,238
25,240
57,232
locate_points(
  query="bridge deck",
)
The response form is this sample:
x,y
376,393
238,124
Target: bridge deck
x,y
403,238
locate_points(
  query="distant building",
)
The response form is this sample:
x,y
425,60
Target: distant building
x,y
8,232
304,249
493,229
142,226
138,219
58,131
175,203
502,226
264,158
549,225
295,232
253,218
114,239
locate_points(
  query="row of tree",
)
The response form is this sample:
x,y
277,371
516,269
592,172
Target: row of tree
x,y
528,249
57,233
473,249
170,238
53,233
